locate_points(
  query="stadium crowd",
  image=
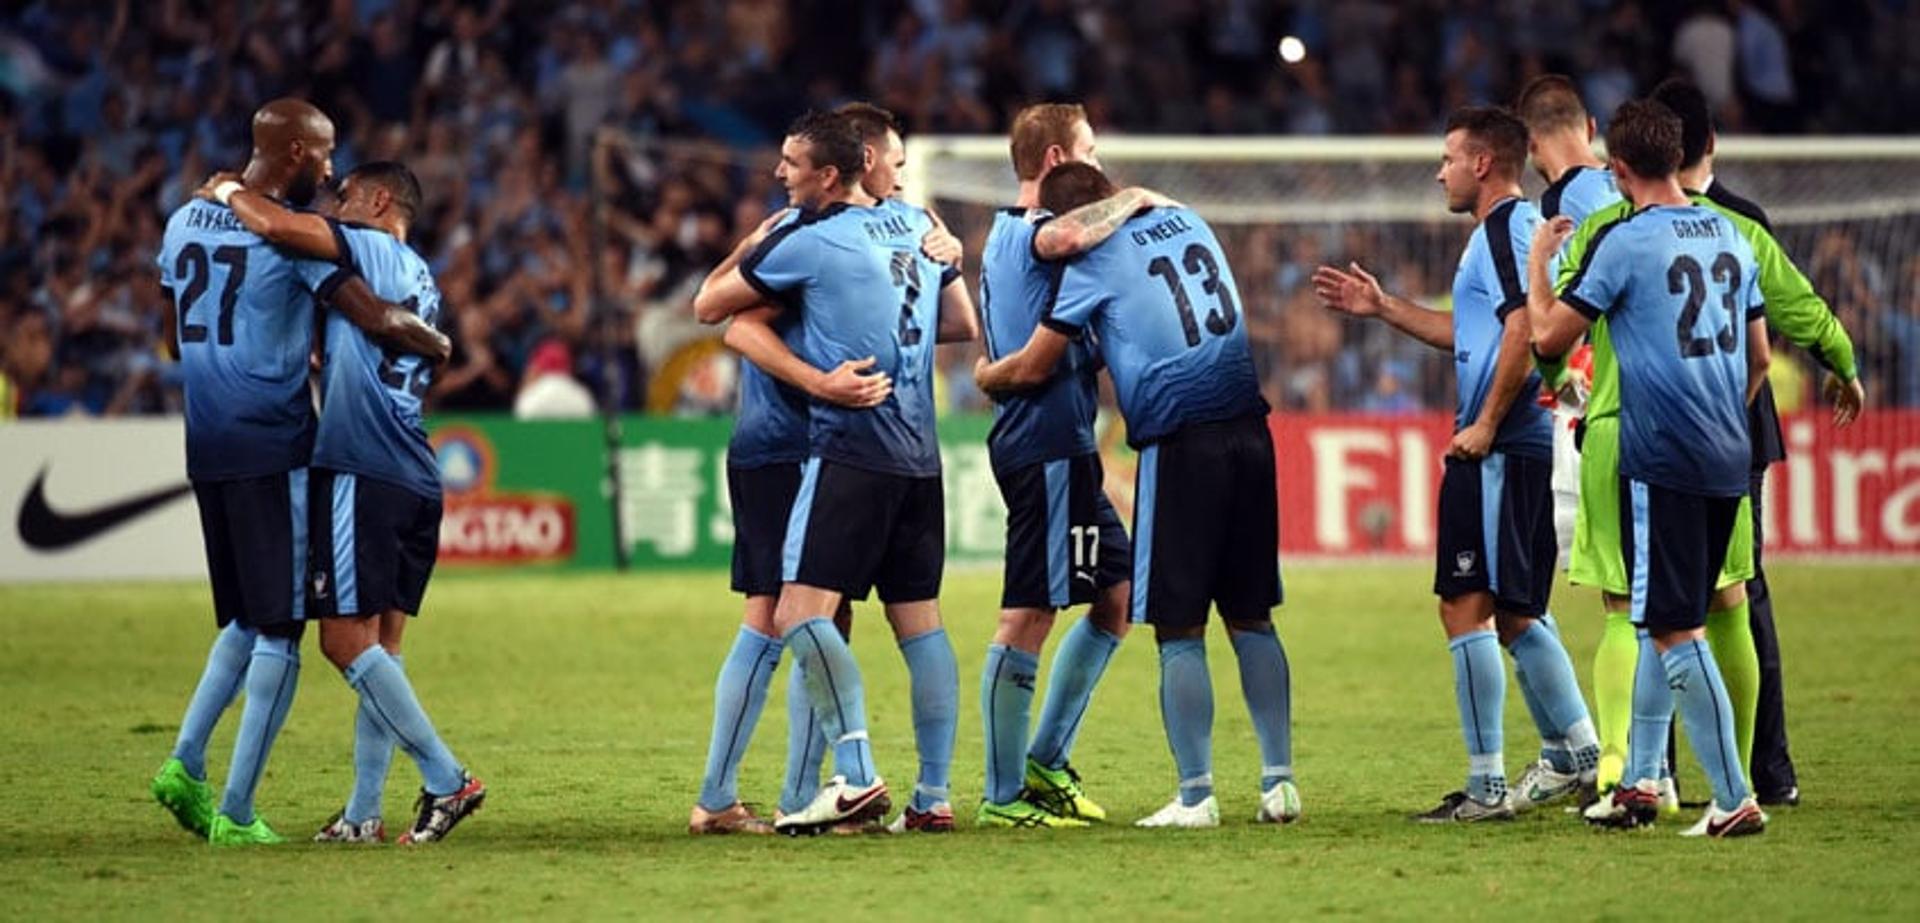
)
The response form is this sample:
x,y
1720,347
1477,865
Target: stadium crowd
x,y
111,114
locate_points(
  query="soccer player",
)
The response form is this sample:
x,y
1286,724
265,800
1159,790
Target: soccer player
x,y
244,330
1065,544
764,463
1798,313
869,513
1161,300
1496,544
376,489
1560,143
1676,283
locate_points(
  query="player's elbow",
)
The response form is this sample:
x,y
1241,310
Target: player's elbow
x,y
708,309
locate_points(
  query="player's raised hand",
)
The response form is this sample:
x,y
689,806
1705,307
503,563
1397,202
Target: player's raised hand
x,y
206,189
1847,398
852,384
941,246
1351,291
1548,235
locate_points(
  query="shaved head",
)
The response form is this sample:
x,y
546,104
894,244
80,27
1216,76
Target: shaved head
x,y
292,150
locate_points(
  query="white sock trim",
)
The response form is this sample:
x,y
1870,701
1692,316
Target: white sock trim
x,y
1581,735
1199,781
1284,772
937,793
851,736
1487,764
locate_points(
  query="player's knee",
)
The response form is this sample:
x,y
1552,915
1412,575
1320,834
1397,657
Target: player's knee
x,y
1510,626
758,616
343,640
1261,626
1109,613
1729,597
1165,633
1025,629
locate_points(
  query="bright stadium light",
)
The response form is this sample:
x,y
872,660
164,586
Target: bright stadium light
x,y
1293,50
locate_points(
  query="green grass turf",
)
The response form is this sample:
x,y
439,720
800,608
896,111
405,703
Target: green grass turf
x,y
584,702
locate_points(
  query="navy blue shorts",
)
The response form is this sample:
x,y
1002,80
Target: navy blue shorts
x,y
374,545
1064,541
256,536
1496,532
762,499
1206,525
852,530
1674,545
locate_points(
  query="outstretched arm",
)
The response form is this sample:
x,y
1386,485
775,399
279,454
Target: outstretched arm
x,y
1025,369
1356,293
751,334
1091,224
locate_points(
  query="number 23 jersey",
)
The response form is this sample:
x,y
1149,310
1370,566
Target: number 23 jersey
x,y
1677,285
1162,303
370,397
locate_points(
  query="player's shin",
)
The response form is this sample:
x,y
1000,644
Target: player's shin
x,y
1549,679
739,693
1186,706
834,689
372,758
272,677
1078,664
806,747
1730,635
1613,684
1701,694
377,677
1480,691
935,678
1266,685
1006,705
220,683
1652,716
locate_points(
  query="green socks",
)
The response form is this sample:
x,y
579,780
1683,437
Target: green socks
x,y
1730,635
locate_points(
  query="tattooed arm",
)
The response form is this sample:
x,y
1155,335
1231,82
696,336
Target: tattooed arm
x,y
1088,226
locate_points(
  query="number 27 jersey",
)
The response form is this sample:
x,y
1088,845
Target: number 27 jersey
x,y
370,399
1162,303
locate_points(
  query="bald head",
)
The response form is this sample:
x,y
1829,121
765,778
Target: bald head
x,y
292,150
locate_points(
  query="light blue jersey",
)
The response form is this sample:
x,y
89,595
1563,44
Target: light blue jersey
x,y
1489,285
860,286
244,312
370,399
1055,420
1579,192
1165,312
1678,285
770,427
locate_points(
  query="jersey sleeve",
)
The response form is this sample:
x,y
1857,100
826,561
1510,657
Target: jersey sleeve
x,y
1601,277
1792,306
323,278
1575,249
1076,296
782,262
1507,251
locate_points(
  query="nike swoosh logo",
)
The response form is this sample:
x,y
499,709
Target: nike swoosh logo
x,y
843,806
42,527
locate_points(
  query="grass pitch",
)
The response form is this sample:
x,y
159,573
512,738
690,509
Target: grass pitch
x,y
585,701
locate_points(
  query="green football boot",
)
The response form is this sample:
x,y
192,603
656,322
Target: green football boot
x,y
1022,813
188,799
1058,791
225,832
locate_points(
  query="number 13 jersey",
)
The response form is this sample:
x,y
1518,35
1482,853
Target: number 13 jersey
x,y
1162,304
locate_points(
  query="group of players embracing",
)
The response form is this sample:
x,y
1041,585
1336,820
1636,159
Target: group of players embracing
x,y
834,472
1647,443
329,514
